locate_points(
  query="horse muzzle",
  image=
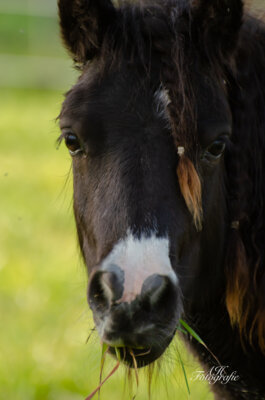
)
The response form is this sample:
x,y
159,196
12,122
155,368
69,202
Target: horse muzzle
x,y
136,307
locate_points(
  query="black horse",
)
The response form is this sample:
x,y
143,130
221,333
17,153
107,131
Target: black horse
x,y
166,128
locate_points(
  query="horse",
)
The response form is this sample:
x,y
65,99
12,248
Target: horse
x,y
166,130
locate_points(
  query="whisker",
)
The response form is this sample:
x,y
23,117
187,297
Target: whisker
x,y
91,333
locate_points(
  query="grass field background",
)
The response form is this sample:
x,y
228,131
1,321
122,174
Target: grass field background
x,y
44,317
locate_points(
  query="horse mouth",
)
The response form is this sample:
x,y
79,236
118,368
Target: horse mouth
x,y
135,357
138,357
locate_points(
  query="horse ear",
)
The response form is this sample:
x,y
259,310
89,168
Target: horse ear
x,y
83,24
216,24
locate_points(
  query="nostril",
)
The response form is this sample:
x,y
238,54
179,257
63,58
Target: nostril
x,y
156,289
106,287
152,286
98,299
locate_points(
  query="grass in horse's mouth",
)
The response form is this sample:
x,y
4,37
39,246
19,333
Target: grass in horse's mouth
x,y
122,353
105,350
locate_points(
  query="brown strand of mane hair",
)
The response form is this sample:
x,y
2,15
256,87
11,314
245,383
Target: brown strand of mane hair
x,y
183,124
260,323
190,187
240,294
237,277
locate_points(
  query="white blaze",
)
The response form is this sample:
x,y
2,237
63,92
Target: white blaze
x,y
139,259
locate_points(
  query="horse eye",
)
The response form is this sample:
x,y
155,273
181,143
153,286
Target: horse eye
x,y
72,143
215,150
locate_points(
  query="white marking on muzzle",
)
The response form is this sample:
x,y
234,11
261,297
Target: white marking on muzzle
x,y
139,259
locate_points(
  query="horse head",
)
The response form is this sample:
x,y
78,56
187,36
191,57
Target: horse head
x,y
147,125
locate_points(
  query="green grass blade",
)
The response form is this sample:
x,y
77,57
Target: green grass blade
x,y
105,348
118,354
192,332
197,337
182,330
105,380
104,351
184,372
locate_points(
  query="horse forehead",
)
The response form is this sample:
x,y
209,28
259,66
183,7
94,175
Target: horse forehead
x,y
114,99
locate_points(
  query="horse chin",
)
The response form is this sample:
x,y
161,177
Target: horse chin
x,y
141,357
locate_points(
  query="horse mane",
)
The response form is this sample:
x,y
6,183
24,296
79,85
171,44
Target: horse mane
x,y
148,32
245,164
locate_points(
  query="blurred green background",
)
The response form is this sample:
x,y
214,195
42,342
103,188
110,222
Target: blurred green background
x,y
44,318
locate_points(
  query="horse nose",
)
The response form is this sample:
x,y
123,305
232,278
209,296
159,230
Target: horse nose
x,y
108,287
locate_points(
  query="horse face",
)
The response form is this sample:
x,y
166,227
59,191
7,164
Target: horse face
x,y
138,239
130,216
